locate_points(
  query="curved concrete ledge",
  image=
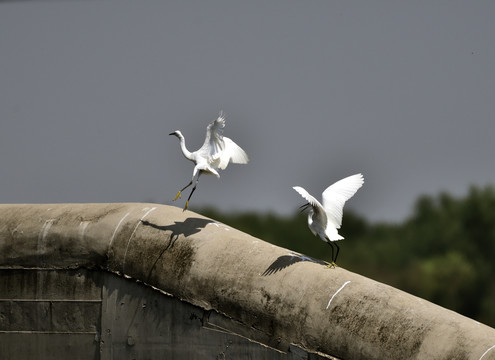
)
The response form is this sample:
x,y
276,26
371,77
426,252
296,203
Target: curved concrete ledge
x,y
282,297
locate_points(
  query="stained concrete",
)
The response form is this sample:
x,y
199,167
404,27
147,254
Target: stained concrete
x,y
87,314
281,304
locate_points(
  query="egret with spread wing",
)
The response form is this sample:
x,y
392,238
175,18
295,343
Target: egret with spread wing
x,y
216,153
324,219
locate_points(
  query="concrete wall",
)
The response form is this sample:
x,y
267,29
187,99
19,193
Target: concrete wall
x,y
72,282
84,314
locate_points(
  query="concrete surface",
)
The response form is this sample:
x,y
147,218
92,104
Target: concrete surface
x,y
86,314
254,290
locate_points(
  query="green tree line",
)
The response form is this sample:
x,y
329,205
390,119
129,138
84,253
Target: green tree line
x,y
443,252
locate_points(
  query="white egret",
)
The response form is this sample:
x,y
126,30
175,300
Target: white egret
x,y
216,153
324,219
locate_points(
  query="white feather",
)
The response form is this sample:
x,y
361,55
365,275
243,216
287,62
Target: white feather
x,y
216,152
232,153
325,218
335,196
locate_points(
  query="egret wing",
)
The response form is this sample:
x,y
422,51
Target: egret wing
x,y
319,215
335,196
214,143
307,196
232,153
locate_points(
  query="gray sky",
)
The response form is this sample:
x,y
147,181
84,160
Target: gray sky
x,y
314,91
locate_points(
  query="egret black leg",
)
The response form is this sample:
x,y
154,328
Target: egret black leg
x,y
331,245
336,255
181,190
185,187
187,202
192,191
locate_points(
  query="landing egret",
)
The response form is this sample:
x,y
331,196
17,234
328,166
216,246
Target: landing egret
x,y
216,153
324,219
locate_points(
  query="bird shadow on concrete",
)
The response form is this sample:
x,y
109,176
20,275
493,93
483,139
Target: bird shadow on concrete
x,y
285,261
187,228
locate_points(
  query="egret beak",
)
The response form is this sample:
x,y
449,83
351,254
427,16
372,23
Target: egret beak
x,y
304,207
172,133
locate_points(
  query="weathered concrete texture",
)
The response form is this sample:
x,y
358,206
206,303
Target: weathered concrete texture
x,y
275,296
46,314
84,314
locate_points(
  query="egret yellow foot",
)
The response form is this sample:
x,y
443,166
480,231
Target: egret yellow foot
x,y
331,265
185,207
177,196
